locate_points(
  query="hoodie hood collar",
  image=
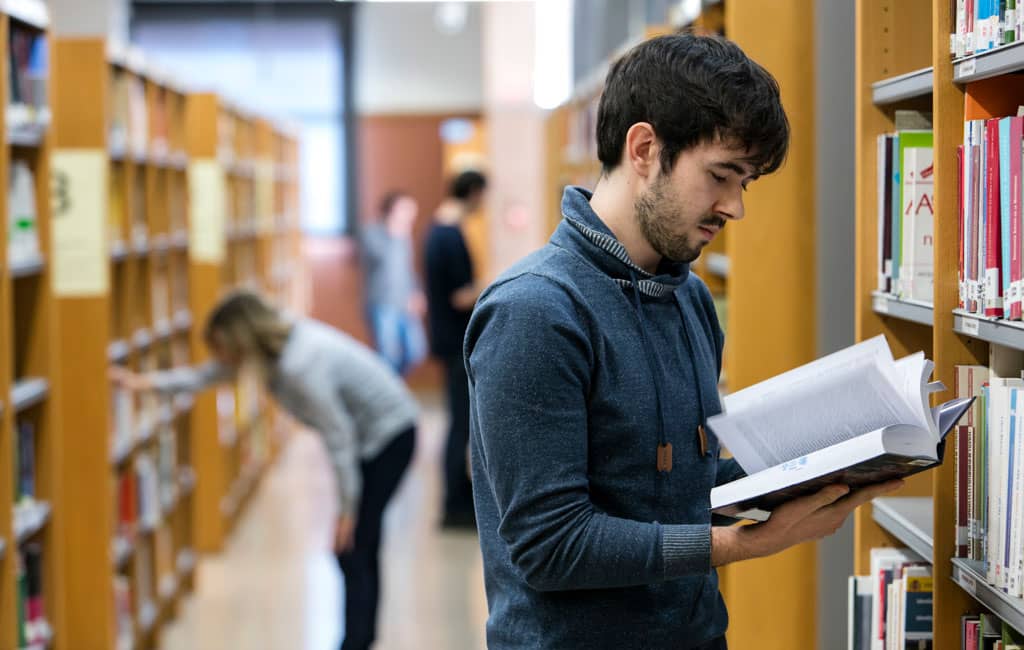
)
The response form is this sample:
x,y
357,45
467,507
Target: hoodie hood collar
x,y
583,232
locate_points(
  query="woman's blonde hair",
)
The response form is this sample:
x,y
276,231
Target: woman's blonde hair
x,y
248,326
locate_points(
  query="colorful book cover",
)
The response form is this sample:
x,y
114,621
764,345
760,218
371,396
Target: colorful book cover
x,y
993,225
917,213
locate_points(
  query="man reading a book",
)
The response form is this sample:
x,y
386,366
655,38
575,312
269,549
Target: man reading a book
x,y
594,365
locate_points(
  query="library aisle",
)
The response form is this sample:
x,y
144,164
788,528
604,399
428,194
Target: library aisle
x,y
277,586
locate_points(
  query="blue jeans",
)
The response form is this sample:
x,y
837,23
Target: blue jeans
x,y
398,336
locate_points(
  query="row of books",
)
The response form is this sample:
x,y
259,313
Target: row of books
x,y
139,504
991,263
25,462
906,213
983,25
987,632
129,120
34,630
28,70
989,490
891,609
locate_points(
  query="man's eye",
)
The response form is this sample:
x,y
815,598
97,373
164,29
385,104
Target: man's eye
x,y
718,179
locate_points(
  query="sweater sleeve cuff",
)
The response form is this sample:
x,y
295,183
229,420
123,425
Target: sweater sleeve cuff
x,y
686,549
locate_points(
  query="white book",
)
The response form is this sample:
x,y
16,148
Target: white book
x,y
883,178
855,417
1016,587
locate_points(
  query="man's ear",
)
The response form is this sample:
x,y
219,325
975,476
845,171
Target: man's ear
x,y
642,150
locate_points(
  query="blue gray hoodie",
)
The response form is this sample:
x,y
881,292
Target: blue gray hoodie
x,y
580,364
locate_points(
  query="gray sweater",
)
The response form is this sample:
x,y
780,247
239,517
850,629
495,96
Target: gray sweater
x,y
333,384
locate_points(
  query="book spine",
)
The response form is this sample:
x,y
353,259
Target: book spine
x,y
896,190
1009,555
961,277
993,284
1016,262
1003,147
962,465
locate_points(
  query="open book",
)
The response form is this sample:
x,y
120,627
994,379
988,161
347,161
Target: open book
x,y
855,417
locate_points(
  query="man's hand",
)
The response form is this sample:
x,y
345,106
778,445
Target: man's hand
x,y
345,534
800,520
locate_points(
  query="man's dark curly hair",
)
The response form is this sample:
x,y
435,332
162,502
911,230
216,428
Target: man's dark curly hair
x,y
692,90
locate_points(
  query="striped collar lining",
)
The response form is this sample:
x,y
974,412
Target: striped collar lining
x,y
609,244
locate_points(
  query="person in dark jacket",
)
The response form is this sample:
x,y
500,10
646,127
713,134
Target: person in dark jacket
x,y
451,294
593,367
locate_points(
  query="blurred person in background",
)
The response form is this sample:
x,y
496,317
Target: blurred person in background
x,y
395,305
339,388
451,295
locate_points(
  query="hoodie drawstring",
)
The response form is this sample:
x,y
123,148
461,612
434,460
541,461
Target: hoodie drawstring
x,y
652,360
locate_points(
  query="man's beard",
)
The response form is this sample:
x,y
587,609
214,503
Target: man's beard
x,y
655,211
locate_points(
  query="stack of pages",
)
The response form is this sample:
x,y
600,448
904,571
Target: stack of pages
x,y
856,417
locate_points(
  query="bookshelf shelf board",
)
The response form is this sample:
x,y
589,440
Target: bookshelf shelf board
x,y
186,481
970,575
888,305
168,589
147,617
45,642
147,431
142,339
150,527
161,244
718,265
1002,60
29,519
182,320
907,86
29,136
179,240
908,519
29,267
118,351
30,12
122,551
140,246
183,403
162,330
1008,333
121,452
28,392
119,251
186,561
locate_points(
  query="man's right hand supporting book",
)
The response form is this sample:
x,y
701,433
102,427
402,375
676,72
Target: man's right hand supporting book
x,y
801,520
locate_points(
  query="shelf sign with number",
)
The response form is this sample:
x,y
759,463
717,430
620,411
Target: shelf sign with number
x,y
78,197
969,326
208,210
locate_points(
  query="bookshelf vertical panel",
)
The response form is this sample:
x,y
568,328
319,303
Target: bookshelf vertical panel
x,y
83,511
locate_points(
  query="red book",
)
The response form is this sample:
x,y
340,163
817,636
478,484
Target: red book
x,y
961,276
1016,266
993,224
972,630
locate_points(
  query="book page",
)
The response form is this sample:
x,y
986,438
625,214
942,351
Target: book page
x,y
813,410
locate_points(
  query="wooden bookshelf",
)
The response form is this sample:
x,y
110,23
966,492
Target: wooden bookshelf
x,y
28,370
132,154
897,42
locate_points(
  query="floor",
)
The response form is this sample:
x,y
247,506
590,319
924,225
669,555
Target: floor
x,y
277,586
